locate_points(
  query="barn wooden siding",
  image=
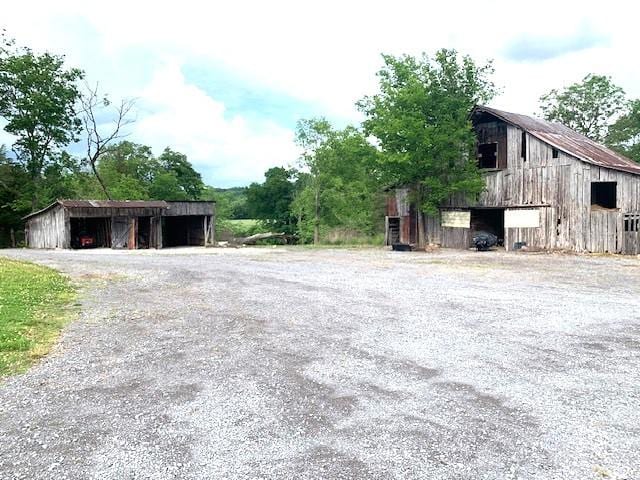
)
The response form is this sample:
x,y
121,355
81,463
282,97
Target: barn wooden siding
x,y
398,205
560,188
189,208
49,229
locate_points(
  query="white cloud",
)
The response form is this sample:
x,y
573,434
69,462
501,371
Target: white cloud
x,y
183,117
321,53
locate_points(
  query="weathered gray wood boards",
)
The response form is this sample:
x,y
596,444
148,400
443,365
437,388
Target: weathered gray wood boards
x,y
49,229
544,188
122,224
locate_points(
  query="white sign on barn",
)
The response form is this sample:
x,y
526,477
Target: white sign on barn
x,y
522,218
456,219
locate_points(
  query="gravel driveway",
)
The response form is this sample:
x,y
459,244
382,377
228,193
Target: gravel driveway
x,y
296,363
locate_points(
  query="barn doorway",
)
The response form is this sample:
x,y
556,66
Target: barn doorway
x,y
183,231
393,230
143,239
488,220
90,232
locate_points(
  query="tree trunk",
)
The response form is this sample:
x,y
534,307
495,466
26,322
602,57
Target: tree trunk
x,y
12,233
251,240
316,219
102,185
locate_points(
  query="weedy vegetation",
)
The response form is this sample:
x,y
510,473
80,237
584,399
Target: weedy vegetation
x,y
35,303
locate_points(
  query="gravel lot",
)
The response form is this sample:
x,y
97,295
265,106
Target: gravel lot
x,y
297,363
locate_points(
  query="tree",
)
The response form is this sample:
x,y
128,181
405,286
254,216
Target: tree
x,y
187,180
624,135
13,179
98,140
271,201
338,187
38,98
130,171
421,119
588,107
311,135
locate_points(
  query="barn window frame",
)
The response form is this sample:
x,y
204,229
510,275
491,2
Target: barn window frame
x,y
555,153
484,163
632,222
604,195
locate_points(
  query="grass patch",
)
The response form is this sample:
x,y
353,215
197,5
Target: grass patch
x,y
34,306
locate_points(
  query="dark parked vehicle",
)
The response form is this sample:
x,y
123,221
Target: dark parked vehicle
x,y
483,241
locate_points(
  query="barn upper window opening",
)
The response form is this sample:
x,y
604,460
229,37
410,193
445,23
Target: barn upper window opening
x,y
487,155
603,194
554,152
523,146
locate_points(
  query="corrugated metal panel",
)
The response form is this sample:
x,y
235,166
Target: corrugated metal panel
x,y
114,203
567,140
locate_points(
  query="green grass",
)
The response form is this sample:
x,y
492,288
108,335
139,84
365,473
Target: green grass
x,y
34,306
244,227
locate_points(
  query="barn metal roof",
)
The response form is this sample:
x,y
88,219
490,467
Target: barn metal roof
x,y
102,204
113,203
565,139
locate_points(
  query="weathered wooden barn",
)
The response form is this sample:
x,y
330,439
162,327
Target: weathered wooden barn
x,y
547,187
121,224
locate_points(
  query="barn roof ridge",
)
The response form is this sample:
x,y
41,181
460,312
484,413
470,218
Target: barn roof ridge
x,y
68,203
566,139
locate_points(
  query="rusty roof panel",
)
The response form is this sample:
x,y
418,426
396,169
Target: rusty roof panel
x,y
101,204
113,204
565,139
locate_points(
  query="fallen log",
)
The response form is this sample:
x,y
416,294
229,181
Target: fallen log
x,y
252,239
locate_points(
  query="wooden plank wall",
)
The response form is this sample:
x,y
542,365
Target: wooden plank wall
x,y
50,229
561,189
114,212
177,209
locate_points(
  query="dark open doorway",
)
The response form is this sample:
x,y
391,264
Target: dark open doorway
x,y
183,231
488,220
144,232
90,232
393,230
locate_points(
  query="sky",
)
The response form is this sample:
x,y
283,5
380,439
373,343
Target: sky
x,y
226,82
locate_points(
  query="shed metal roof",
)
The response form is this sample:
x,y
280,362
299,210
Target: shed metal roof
x,y
101,204
113,203
565,139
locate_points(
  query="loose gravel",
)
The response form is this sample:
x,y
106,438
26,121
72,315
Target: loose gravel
x,y
333,364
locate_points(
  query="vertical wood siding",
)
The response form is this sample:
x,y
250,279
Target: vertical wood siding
x,y
50,229
560,188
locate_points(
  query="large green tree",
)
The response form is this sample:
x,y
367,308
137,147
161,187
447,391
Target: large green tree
x,y
38,98
421,120
188,182
338,187
588,107
624,135
270,201
130,171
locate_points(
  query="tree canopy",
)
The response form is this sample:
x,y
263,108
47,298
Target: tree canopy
x,y
338,187
588,107
420,118
38,97
624,134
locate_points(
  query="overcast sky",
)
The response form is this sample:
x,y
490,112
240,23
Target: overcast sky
x,y
225,82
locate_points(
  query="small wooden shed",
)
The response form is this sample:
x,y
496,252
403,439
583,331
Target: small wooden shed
x,y
129,224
